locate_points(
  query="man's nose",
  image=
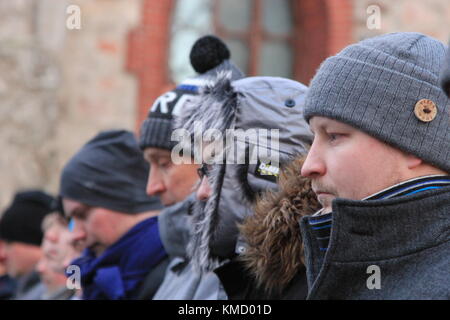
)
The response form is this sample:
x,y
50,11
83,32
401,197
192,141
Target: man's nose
x,y
313,166
40,267
78,232
204,190
155,184
2,253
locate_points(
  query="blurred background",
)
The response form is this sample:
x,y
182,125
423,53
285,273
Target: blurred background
x,y
69,69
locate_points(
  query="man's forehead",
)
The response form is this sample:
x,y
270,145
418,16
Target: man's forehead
x,y
71,206
317,122
153,153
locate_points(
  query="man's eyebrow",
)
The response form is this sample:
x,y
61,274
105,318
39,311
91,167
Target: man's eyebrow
x,y
78,211
148,156
319,127
328,126
155,157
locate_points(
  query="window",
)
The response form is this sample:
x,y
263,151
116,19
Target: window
x,y
259,34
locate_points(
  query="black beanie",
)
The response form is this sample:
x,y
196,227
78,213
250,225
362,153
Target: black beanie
x,y
109,172
208,56
445,77
22,220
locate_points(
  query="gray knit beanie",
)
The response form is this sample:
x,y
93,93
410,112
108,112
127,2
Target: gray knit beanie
x,y
209,56
388,87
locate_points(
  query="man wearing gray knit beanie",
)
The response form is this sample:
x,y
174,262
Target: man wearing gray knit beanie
x,y
379,165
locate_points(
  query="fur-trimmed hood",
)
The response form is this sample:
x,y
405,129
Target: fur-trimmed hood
x,y
264,104
274,251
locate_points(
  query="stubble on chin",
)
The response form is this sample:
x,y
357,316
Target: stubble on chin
x,y
326,205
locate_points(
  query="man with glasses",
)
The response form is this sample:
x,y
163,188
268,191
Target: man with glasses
x,y
233,179
204,189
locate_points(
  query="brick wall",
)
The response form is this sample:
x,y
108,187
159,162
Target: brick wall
x,y
323,27
431,17
148,53
59,87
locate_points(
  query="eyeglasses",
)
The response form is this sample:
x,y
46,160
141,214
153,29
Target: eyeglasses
x,y
204,170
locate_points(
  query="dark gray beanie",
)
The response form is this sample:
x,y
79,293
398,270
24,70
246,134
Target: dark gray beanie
x,y
109,172
209,56
388,87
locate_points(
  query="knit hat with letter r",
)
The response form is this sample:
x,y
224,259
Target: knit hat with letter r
x,y
209,56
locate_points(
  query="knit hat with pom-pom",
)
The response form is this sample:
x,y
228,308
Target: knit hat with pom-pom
x,y
209,56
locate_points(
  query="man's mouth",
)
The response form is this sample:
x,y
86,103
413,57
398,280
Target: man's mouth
x,y
322,195
320,192
94,246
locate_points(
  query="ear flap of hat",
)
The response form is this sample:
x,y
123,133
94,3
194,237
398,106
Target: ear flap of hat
x,y
214,110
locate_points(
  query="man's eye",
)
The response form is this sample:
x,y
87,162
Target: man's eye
x,y
164,164
334,136
79,215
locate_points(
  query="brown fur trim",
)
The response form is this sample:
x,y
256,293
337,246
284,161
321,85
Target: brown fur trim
x,y
275,249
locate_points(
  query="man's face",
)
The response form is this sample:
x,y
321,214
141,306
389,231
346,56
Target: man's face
x,y
2,258
94,228
347,163
204,190
58,249
72,249
19,258
50,265
171,182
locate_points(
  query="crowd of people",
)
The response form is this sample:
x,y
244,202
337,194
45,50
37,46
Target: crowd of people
x,y
355,205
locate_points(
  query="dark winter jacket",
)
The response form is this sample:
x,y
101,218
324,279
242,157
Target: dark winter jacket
x,y
395,248
29,287
7,287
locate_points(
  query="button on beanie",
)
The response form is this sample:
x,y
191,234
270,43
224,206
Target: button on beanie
x,y
388,86
208,56
22,220
109,172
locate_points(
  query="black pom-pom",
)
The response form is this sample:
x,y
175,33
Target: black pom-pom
x,y
207,53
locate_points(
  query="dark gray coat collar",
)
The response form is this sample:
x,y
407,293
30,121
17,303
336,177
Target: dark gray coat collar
x,y
371,231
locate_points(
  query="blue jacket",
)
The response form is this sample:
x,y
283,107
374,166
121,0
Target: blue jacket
x,y
119,272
